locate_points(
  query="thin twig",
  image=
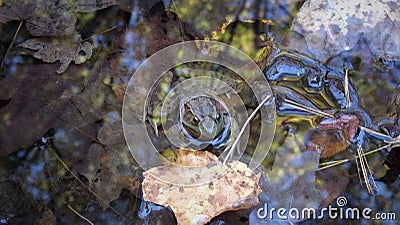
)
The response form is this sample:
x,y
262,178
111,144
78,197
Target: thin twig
x,y
105,31
359,159
346,87
386,138
333,164
366,172
82,217
244,127
81,131
308,109
339,162
11,44
82,183
364,167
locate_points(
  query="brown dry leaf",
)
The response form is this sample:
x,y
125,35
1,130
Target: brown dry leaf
x,y
49,18
237,189
333,135
331,27
195,158
64,50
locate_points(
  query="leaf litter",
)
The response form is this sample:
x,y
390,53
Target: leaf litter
x,y
55,19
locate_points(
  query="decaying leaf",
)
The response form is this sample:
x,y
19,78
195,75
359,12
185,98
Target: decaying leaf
x,y
30,114
65,103
43,18
64,50
237,189
49,18
108,165
90,5
331,27
195,158
333,135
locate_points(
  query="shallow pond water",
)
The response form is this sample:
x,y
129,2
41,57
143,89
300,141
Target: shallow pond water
x,y
64,158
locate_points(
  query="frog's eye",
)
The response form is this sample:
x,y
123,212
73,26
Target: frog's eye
x,y
218,118
195,120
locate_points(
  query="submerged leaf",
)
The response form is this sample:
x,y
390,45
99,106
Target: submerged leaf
x,y
333,135
49,18
331,27
90,5
58,49
42,18
29,114
16,10
237,189
292,182
108,165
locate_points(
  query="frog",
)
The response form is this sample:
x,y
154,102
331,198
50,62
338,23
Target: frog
x,y
204,120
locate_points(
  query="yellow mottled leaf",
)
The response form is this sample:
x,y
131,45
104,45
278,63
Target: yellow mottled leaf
x,y
197,204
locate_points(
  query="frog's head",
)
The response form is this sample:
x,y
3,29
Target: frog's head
x,y
203,118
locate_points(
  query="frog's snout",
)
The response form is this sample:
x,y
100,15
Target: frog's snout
x,y
208,128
